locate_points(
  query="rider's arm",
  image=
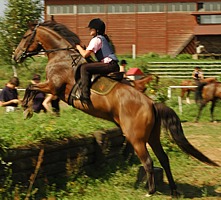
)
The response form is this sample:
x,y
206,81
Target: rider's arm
x,y
83,52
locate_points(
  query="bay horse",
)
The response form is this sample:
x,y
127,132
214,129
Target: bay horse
x,y
209,92
141,84
186,91
135,113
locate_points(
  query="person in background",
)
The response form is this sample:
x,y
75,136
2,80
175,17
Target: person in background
x,y
104,53
123,64
39,98
197,75
54,101
9,95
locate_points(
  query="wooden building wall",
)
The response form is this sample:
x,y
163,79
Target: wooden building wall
x,y
162,33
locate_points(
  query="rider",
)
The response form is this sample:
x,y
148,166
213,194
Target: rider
x,y
198,77
104,53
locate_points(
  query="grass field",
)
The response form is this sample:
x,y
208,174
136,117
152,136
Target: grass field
x,y
195,180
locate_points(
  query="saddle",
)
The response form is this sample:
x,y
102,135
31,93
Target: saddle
x,y
101,85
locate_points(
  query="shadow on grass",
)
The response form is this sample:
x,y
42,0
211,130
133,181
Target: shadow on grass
x,y
188,191
191,191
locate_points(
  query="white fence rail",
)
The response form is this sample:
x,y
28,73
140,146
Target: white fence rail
x,y
169,94
169,91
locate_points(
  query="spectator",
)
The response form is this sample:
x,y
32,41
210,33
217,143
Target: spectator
x,y
39,98
123,64
55,107
9,95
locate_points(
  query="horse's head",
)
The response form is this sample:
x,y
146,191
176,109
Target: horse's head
x,y
28,46
48,36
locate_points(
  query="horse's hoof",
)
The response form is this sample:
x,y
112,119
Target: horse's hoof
x,y
175,194
27,114
148,195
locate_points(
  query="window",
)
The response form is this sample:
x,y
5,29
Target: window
x,y
210,19
61,9
181,7
87,8
121,8
154,7
212,6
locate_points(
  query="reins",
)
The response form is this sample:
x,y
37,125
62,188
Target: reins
x,y
29,54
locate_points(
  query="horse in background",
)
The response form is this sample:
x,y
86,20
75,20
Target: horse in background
x,y
186,91
142,83
136,114
208,92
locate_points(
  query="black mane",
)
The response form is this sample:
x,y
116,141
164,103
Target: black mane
x,y
62,30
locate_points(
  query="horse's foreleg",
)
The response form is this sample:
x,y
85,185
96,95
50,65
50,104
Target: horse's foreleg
x,y
27,103
188,97
182,93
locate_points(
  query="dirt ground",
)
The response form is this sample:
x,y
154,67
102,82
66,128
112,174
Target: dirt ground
x,y
209,144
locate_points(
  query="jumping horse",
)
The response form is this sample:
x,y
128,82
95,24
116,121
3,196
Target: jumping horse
x,y
208,92
135,113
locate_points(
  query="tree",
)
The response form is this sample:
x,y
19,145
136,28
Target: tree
x,y
13,26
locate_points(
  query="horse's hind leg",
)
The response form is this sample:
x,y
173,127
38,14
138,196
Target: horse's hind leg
x,y
212,110
144,156
154,142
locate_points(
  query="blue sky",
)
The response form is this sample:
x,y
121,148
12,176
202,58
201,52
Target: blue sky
x,y
2,7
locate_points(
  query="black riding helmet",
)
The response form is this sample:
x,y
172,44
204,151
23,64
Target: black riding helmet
x,y
98,25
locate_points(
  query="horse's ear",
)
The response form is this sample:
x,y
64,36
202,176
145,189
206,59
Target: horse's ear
x,y
32,24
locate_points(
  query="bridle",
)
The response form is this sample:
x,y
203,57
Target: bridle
x,y
26,53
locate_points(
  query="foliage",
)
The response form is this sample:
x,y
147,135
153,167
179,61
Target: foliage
x,y
13,26
184,57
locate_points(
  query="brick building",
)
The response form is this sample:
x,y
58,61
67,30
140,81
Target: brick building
x,y
161,26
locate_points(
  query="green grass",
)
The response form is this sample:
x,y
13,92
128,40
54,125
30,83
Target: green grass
x,y
15,131
194,179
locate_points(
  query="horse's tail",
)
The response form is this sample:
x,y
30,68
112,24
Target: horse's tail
x,y
171,122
